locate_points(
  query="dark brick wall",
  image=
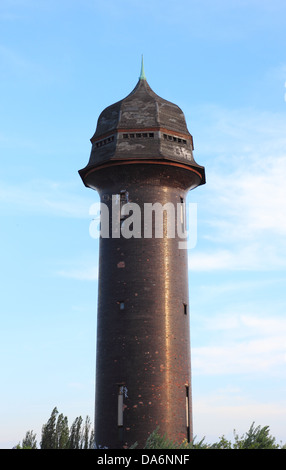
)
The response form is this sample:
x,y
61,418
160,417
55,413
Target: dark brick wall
x,y
146,345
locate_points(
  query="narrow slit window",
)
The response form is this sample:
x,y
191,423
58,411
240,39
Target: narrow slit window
x,y
182,212
185,309
188,414
123,200
120,406
124,196
121,305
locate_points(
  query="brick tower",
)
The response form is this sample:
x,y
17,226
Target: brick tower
x,y
142,155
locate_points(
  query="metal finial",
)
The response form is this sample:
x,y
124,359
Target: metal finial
x,y
142,74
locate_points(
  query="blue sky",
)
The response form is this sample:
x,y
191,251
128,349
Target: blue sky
x,y
61,63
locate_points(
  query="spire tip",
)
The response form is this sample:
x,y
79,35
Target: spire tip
x,y
142,73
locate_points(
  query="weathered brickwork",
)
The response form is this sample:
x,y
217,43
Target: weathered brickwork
x,y
143,337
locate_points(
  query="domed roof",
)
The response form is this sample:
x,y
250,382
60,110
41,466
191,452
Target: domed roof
x,y
142,126
141,109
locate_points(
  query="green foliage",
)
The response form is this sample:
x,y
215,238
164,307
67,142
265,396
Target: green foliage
x,y
223,443
62,432
49,437
87,439
74,439
156,441
56,434
255,438
29,441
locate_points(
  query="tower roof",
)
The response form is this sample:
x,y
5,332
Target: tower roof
x,y
141,109
142,126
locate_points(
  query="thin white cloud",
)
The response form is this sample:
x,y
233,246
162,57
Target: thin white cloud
x,y
247,357
242,208
44,197
252,257
214,290
235,136
251,203
224,412
89,273
83,268
15,64
245,344
219,260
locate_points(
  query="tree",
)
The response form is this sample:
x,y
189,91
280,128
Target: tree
x,y
75,440
256,438
62,432
87,435
57,435
156,441
29,441
49,440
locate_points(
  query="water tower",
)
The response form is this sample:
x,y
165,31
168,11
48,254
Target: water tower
x,y
142,155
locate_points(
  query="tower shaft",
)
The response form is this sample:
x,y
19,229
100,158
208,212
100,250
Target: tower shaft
x,y
143,336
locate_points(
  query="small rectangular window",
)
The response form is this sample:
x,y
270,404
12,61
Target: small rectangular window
x,y
125,136
185,309
151,134
121,305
